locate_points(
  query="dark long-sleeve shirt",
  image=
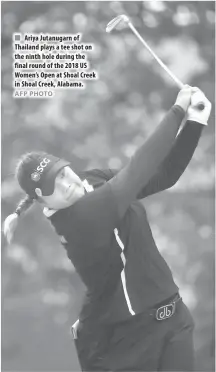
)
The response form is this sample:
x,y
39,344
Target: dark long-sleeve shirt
x,y
175,163
107,233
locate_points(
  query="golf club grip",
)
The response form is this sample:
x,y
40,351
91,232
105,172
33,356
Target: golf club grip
x,y
200,106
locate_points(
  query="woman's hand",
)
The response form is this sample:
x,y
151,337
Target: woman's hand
x,y
193,113
184,97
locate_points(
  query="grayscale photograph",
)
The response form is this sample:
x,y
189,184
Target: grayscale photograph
x,y
108,186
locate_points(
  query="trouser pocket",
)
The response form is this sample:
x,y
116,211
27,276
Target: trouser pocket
x,y
91,344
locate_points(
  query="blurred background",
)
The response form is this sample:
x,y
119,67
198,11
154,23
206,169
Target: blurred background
x,y
102,126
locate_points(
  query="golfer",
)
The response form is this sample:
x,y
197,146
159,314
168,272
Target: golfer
x,y
133,317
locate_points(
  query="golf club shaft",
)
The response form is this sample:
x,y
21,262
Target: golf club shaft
x,y
180,85
176,80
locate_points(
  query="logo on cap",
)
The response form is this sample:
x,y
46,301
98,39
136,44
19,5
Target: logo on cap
x,y
43,165
35,176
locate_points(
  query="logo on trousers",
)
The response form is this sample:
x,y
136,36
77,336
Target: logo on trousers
x,y
165,312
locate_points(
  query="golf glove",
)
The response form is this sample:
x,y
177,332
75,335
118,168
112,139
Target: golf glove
x,y
193,113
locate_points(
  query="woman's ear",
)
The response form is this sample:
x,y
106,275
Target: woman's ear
x,y
38,192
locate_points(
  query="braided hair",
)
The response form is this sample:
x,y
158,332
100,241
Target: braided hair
x,y
34,170
11,222
24,204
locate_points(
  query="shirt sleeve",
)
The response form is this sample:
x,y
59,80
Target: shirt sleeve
x,y
128,183
176,161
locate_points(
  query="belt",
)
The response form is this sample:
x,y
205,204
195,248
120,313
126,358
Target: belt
x,y
162,311
166,309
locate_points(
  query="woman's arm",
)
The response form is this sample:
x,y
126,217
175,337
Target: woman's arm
x,y
93,217
173,166
127,184
176,161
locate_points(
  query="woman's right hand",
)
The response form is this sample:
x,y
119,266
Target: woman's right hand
x,y
193,113
184,97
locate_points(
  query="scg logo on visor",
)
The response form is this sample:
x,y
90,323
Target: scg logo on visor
x,y
43,165
35,176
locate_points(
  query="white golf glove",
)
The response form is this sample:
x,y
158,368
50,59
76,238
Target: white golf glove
x,y
193,113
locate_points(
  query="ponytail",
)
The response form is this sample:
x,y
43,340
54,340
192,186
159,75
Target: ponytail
x,y
11,222
24,204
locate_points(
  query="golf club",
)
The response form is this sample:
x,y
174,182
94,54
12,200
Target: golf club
x,y
124,19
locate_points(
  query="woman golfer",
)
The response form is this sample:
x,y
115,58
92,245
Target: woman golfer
x,y
133,318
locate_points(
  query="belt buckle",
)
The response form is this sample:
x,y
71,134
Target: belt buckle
x,y
166,311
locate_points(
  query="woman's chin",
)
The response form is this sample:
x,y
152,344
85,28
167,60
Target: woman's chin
x,y
76,195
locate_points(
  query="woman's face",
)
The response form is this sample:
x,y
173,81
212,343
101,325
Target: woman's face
x,y
68,189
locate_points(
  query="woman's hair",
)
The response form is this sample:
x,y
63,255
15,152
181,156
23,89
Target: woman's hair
x,y
11,222
25,203
34,170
